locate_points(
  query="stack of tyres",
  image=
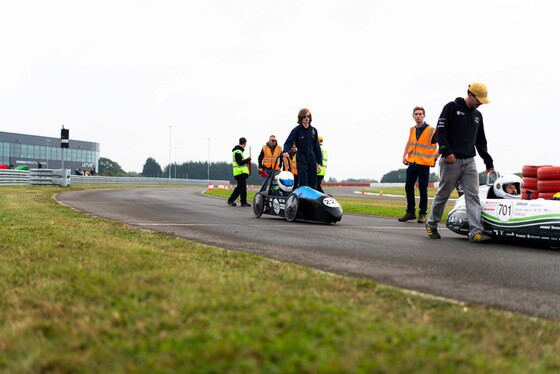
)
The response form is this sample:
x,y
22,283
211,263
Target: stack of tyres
x,y
529,175
548,181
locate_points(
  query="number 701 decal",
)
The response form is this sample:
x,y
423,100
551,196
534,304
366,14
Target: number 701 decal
x,y
505,211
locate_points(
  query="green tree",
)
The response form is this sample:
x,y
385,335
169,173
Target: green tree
x,y
151,168
110,168
394,176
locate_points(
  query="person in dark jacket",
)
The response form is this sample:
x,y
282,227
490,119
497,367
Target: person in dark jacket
x,y
460,134
308,156
240,173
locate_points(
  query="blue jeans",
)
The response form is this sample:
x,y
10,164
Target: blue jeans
x,y
422,174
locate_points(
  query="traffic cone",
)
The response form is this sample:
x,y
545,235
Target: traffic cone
x,y
363,191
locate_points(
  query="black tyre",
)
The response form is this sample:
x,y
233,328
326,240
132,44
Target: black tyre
x,y
292,206
258,204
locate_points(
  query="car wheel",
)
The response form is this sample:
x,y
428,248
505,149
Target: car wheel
x,y
258,204
292,205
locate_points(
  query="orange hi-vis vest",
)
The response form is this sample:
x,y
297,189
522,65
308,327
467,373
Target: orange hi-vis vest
x,y
421,151
270,157
293,166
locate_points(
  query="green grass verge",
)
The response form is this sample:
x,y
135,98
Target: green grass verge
x,y
81,294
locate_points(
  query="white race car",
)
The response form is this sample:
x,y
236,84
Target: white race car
x,y
506,217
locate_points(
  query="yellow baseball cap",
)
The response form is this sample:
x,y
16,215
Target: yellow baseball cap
x,y
480,91
320,138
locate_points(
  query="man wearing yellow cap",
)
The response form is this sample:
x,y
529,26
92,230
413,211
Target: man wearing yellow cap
x,y
460,134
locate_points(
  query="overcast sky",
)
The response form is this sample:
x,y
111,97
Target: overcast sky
x,y
120,73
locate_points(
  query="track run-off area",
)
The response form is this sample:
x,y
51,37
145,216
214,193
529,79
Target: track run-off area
x,y
515,278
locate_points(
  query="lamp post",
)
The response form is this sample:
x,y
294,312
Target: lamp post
x,y
208,159
169,151
175,162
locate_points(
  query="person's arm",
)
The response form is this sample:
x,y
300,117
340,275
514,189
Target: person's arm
x,y
289,142
261,156
434,141
317,148
482,147
445,118
239,159
405,153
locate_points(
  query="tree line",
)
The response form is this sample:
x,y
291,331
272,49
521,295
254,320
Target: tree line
x,y
223,171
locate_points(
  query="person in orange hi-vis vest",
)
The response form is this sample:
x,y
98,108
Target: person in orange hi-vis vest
x,y
420,154
293,164
270,151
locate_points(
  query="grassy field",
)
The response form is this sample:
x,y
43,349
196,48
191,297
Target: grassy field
x,y
84,295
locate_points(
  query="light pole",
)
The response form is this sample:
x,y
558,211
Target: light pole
x,y
169,151
175,162
208,159
47,151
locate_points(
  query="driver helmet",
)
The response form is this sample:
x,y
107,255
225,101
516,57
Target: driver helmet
x,y
285,181
502,190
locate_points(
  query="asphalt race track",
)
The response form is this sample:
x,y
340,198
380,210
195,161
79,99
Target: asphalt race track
x,y
515,278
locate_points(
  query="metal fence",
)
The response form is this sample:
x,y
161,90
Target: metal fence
x,y
22,177
13,177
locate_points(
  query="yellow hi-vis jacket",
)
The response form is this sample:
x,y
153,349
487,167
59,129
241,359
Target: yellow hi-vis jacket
x,y
422,151
325,162
239,169
270,157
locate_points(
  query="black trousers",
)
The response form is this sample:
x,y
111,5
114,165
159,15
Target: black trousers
x,y
240,189
319,181
421,173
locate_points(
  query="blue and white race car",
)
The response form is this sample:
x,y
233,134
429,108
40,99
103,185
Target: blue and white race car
x,y
277,197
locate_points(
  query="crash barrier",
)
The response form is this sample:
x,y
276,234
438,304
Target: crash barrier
x,y
10,177
78,179
21,177
43,177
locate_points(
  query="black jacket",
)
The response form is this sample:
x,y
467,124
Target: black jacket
x,y
460,131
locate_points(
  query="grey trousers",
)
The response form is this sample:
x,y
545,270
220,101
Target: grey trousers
x,y
464,171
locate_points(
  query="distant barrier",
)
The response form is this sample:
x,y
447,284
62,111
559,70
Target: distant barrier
x,y
23,177
9,177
